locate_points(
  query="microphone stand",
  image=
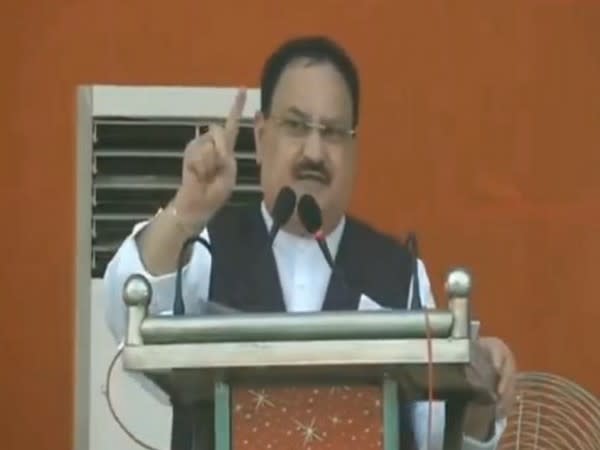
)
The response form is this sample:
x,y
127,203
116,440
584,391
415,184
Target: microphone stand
x,y
178,304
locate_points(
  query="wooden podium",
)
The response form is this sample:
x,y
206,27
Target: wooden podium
x,y
310,381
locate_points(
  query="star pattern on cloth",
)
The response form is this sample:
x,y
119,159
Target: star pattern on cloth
x,y
307,418
309,432
260,399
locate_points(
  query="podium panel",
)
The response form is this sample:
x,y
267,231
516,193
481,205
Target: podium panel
x,y
317,417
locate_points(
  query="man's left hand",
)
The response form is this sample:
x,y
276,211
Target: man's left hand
x,y
480,418
506,369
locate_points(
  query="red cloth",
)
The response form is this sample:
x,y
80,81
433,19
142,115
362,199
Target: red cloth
x,y
307,418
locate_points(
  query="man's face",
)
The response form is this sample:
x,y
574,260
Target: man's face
x,y
306,142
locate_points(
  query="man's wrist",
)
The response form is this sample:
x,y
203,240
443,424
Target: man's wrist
x,y
188,226
187,218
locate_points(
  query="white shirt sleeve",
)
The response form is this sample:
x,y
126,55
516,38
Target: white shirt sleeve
x,y
438,412
127,261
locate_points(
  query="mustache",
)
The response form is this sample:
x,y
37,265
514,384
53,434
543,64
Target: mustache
x,y
312,168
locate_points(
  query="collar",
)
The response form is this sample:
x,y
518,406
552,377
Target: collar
x,y
287,239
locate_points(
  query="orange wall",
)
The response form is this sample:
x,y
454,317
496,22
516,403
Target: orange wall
x,y
481,130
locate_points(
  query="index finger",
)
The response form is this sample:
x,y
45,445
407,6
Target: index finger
x,y
232,125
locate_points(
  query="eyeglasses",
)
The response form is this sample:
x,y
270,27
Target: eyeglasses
x,y
300,129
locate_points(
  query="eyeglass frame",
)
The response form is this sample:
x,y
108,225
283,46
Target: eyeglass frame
x,y
312,125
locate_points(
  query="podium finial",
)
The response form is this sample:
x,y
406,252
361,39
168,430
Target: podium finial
x,y
137,291
458,283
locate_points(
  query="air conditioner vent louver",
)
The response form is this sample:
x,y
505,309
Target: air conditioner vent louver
x,y
137,168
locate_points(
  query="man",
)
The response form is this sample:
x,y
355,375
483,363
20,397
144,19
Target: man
x,y
305,139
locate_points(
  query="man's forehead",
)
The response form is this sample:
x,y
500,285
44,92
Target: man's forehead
x,y
314,89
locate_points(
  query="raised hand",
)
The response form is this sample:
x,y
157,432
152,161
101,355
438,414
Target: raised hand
x,y
209,168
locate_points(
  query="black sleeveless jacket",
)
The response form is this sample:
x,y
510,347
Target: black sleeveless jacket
x,y
244,276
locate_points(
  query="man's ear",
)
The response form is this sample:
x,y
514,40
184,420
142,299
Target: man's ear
x,y
259,128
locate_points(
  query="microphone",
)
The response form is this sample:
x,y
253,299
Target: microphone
x,y
310,215
411,244
284,206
